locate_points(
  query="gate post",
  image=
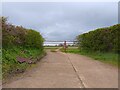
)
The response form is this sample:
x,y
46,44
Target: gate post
x,y
65,46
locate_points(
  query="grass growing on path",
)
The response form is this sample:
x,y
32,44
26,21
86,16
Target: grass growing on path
x,y
109,57
51,48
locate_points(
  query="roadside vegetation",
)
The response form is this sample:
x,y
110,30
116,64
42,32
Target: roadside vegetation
x,y
0,64
102,40
51,48
100,44
20,48
106,57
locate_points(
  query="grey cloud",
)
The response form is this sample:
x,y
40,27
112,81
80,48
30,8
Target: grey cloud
x,y
62,21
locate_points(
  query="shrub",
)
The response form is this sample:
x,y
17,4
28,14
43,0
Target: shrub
x,y
102,39
18,42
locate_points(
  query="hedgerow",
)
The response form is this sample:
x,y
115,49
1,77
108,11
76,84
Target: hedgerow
x,y
18,41
19,36
102,39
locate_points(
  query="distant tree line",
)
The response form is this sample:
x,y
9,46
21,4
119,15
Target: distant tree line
x,y
102,39
19,36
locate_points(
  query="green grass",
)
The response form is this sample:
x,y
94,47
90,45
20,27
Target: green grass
x,y
53,50
0,64
109,57
51,47
9,59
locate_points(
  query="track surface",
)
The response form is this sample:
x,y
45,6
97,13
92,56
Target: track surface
x,y
60,70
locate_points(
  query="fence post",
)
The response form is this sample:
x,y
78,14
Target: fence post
x,y
65,46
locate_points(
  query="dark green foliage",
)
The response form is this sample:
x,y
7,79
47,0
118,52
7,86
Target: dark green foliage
x,y
18,42
17,35
33,39
103,39
10,63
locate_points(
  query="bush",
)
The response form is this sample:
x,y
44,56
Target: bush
x,y
19,36
103,39
19,42
33,39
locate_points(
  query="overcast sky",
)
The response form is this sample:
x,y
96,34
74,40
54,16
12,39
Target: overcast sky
x,y
62,20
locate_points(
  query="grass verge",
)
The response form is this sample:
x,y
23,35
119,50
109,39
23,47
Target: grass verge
x,y
10,64
52,48
107,57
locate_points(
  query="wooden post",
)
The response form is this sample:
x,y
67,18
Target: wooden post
x,y
65,46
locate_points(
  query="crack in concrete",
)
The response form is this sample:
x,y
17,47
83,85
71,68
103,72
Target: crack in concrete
x,y
83,86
